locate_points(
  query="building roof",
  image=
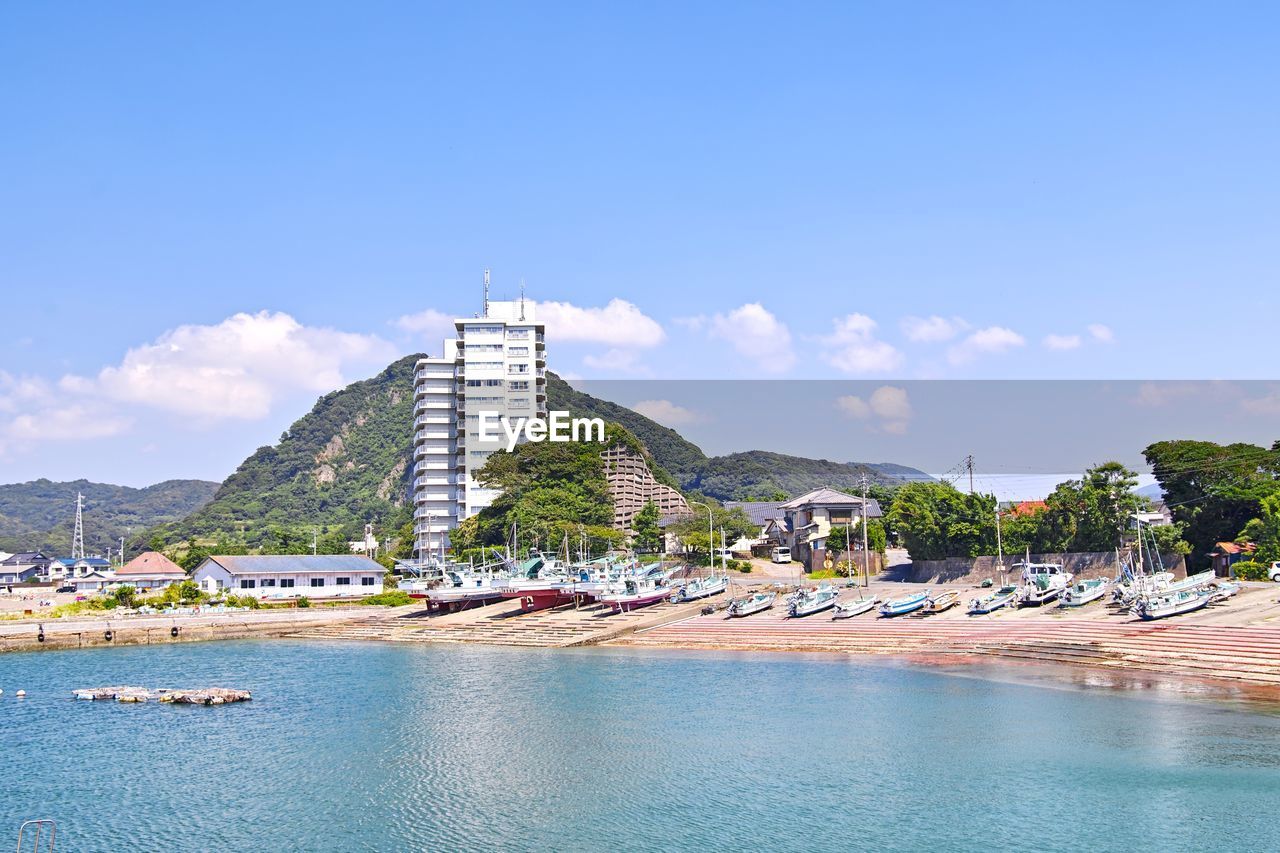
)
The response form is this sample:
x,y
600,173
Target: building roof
x,y
88,561
830,497
25,558
1027,507
265,564
1230,548
760,512
151,563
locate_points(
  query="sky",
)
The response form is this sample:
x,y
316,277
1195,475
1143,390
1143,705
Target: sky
x,y
210,216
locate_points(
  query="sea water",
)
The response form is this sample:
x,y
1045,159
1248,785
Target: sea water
x,y
367,746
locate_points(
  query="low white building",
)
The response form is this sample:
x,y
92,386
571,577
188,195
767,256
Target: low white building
x,y
95,582
291,575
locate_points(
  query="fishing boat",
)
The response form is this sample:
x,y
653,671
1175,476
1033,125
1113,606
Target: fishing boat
x,y
751,604
993,600
638,592
1166,604
462,589
1082,592
1041,583
904,605
942,601
846,609
810,601
700,588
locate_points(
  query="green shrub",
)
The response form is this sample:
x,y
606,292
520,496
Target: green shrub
x,y
391,598
303,601
1248,570
243,601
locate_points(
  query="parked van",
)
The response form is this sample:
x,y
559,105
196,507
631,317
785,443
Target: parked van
x,y
782,555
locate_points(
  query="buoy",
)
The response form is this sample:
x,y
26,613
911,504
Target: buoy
x,y
173,632
20,693
108,635
1,692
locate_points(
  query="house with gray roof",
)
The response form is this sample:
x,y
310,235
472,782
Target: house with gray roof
x,y
808,519
271,576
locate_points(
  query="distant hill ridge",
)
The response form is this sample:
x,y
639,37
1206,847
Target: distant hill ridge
x,y
40,515
350,461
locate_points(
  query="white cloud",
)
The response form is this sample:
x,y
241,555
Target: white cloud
x,y
234,369
696,323
667,413
757,335
991,340
1101,333
615,361
432,325
1062,342
618,324
1265,405
853,348
932,329
72,422
887,404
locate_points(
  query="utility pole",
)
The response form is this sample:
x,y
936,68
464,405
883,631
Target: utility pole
x,y
314,541
866,553
968,463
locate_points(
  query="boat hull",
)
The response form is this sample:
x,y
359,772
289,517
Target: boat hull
x,y
854,608
627,603
891,609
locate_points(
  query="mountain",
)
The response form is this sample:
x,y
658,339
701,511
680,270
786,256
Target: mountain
x,y
755,474
345,463
40,515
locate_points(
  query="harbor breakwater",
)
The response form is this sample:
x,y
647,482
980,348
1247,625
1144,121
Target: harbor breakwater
x,y
973,570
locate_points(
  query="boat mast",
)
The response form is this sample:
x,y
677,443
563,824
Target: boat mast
x,y
999,547
866,553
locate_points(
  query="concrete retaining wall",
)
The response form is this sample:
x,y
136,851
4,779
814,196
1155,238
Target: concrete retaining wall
x,y
975,569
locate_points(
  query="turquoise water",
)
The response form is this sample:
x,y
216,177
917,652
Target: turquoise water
x,y
365,746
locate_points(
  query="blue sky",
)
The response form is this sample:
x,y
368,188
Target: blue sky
x,y
873,191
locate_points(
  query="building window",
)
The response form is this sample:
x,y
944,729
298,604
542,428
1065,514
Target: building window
x,y
518,385
344,581
317,581
286,583
368,581
518,334
517,369
482,364
268,581
245,583
484,330
519,402
519,352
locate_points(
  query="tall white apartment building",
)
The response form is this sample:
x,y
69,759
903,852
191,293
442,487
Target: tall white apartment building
x,y
497,363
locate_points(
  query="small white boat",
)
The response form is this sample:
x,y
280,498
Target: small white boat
x,y
751,604
993,600
846,609
809,601
700,588
1041,583
1171,603
1082,592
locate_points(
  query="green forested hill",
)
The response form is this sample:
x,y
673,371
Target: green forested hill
x,y
755,474
346,462
40,515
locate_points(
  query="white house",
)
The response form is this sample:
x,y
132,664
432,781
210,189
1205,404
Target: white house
x,y
68,568
93,582
291,575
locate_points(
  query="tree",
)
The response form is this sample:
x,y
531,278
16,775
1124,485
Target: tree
x,y
1213,489
1089,514
1264,531
936,521
876,539
694,536
645,523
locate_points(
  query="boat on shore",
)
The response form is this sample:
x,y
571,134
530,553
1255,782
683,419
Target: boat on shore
x,y
638,592
993,600
1165,604
1041,583
944,600
906,604
1082,592
755,603
809,601
856,607
700,588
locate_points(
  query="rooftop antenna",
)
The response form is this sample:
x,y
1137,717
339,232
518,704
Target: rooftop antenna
x,y
486,294
77,538
522,300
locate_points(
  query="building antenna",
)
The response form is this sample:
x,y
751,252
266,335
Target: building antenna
x,y
486,294
77,539
522,300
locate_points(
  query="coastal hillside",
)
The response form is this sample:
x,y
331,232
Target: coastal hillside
x,y
754,474
40,515
346,462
